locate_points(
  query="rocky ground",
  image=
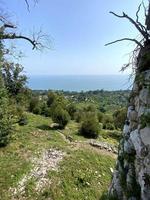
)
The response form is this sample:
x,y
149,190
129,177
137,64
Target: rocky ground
x,y
48,160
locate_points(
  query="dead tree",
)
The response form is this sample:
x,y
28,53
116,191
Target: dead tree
x,y
144,31
38,40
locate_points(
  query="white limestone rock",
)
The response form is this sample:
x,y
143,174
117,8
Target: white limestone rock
x,y
145,96
128,147
141,110
136,140
130,109
126,129
145,135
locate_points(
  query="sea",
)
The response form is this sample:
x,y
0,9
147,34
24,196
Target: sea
x,y
80,82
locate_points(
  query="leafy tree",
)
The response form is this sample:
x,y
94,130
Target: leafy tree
x,y
80,115
119,117
102,109
100,116
107,120
34,103
90,108
71,108
51,98
60,116
13,77
90,126
6,121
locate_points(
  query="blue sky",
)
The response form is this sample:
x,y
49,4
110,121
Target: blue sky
x,y
78,30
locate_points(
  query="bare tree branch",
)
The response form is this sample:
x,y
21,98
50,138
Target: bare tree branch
x,y
28,7
27,3
125,39
143,32
14,36
137,13
38,40
145,10
137,18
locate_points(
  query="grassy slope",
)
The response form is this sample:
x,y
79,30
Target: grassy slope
x,y
83,174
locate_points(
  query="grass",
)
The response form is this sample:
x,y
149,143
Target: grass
x,y
110,136
83,174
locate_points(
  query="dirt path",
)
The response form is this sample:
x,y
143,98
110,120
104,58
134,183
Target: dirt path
x,y
48,160
99,147
86,145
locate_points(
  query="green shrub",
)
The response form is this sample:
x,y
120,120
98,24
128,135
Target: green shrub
x,y
37,110
20,115
79,116
72,110
23,120
108,122
6,121
90,108
145,120
60,116
47,112
90,126
34,103
100,116
109,126
51,97
120,117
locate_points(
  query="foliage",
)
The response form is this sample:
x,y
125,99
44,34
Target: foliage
x,y
90,126
72,109
46,111
79,115
60,116
13,78
119,117
34,105
109,126
51,97
145,120
108,122
100,116
6,122
90,108
22,117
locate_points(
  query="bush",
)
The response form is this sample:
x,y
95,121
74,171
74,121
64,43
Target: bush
x,y
51,97
23,120
108,122
90,108
37,110
120,117
60,116
109,126
90,126
79,116
72,110
6,122
47,112
34,103
20,115
100,116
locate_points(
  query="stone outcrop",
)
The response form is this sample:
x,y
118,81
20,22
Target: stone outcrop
x,y
131,179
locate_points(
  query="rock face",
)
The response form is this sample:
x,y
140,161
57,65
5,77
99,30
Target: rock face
x,y
131,179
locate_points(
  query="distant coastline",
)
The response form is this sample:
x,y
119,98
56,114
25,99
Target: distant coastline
x,y
79,82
